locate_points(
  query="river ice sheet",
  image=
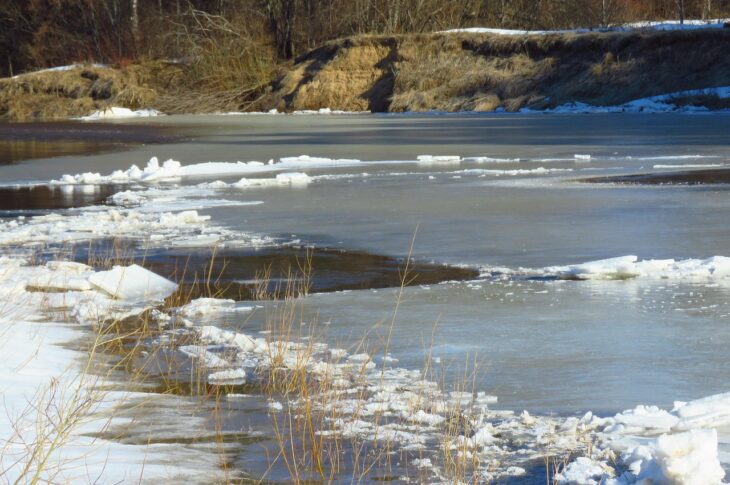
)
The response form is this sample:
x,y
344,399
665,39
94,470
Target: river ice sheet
x,y
548,346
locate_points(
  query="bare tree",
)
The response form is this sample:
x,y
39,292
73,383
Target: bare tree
x,y
282,16
680,10
707,9
135,21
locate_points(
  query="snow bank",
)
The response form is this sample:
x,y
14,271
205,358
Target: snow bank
x,y
655,104
42,384
68,67
664,25
117,113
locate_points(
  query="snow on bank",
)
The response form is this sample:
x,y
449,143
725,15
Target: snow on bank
x,y
68,67
662,103
624,267
49,400
662,25
116,113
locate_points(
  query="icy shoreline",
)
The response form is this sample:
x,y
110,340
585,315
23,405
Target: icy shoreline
x,y
366,399
369,399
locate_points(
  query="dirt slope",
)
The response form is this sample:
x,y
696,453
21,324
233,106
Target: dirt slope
x,y
82,90
482,72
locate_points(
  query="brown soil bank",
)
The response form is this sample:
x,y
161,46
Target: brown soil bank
x,y
445,72
82,90
482,72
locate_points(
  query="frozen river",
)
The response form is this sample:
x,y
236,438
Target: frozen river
x,y
548,338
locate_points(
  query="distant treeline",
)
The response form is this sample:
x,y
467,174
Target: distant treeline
x,y
254,35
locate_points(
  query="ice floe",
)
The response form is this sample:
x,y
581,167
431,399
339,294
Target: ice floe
x,y
133,283
624,267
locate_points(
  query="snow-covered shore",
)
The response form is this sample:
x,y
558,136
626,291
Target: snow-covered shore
x,y
365,399
55,400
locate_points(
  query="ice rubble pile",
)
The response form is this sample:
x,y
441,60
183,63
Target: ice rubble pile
x,y
367,400
186,228
28,291
624,267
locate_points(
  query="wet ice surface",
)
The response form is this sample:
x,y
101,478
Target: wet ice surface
x,y
638,343
550,346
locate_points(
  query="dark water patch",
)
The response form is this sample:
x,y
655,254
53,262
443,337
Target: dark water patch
x,y
27,141
16,200
688,177
256,273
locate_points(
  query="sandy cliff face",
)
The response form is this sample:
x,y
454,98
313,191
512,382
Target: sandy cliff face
x,y
483,72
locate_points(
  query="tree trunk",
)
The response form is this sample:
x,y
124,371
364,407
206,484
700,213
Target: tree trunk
x,y
135,22
680,7
282,17
707,10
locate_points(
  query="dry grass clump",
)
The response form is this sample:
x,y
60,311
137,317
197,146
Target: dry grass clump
x,y
84,89
229,65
